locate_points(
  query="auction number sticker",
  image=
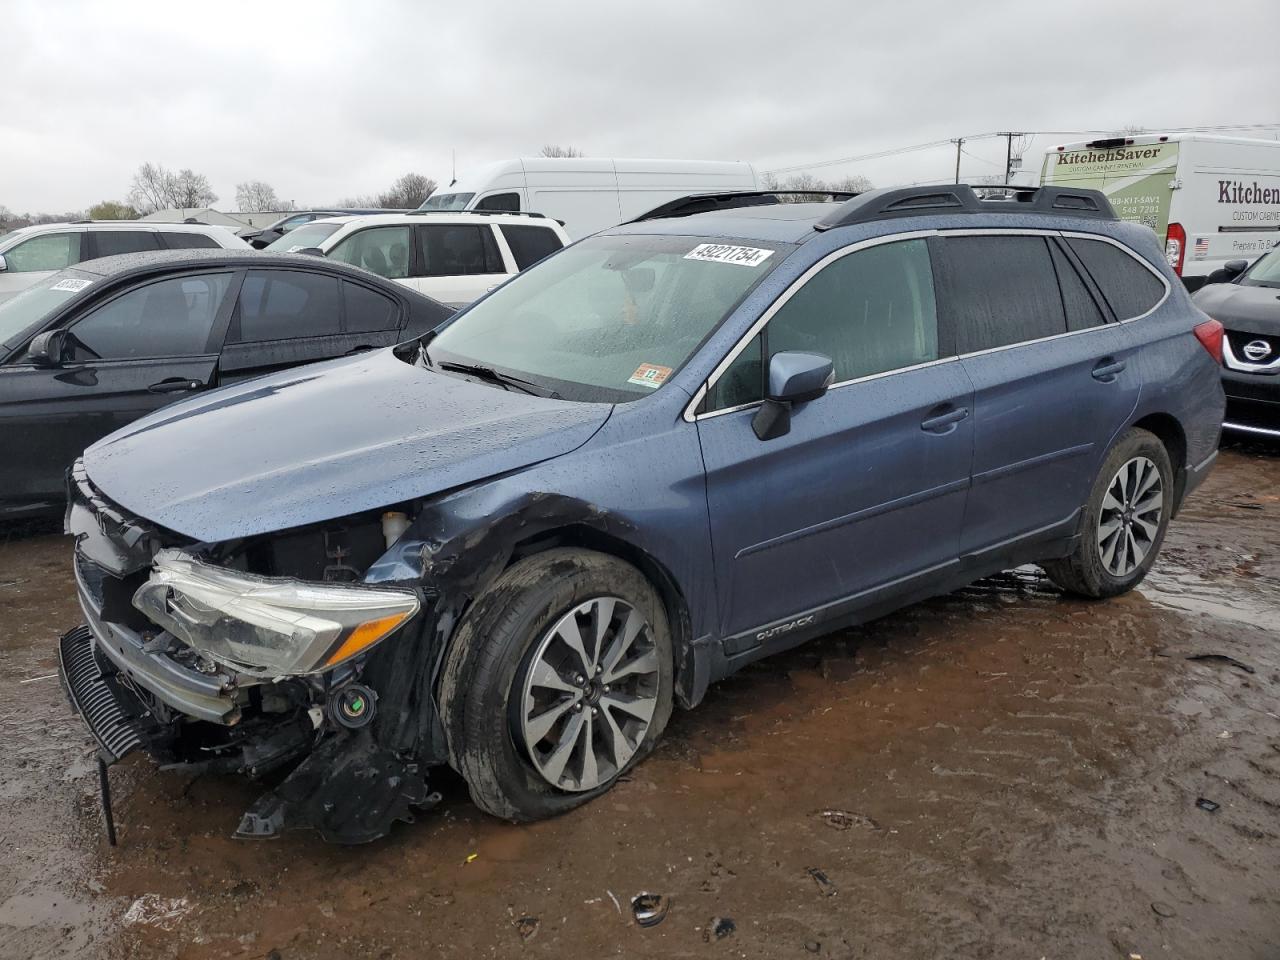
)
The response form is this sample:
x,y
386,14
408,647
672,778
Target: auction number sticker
x,y
71,285
725,253
650,375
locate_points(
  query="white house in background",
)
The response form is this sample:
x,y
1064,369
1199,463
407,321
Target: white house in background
x,y
232,222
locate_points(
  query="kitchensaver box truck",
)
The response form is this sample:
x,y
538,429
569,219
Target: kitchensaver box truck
x,y
587,194
1210,199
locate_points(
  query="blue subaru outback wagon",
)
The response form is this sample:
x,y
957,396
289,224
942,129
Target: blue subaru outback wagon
x,y
667,451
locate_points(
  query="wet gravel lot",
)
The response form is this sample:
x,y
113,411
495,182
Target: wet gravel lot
x,y
1003,772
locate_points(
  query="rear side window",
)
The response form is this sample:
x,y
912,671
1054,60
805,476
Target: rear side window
x,y
870,312
285,305
451,250
189,241
52,251
381,250
1129,287
368,311
1001,290
109,243
500,201
530,244
1082,310
168,318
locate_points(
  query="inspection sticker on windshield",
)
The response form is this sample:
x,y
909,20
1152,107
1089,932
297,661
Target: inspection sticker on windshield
x,y
650,375
71,285
724,253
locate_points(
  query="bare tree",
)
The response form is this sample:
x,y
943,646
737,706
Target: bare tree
x,y
408,192
254,195
112,210
362,201
555,150
191,189
769,181
152,188
854,183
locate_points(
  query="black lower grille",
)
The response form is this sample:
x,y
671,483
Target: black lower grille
x,y
117,719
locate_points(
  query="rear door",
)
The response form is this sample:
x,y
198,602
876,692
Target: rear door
x,y
457,263
1052,378
125,357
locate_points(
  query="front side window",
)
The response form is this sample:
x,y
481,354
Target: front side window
x,y
168,318
304,237
870,311
109,243
50,251
1001,290
500,201
286,305
454,250
610,319
530,244
380,250
447,201
1129,287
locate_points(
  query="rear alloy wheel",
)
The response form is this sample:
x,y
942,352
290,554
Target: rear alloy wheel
x,y
1124,521
1129,520
589,694
558,680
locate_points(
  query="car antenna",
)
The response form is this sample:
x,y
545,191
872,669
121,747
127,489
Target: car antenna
x,y
453,151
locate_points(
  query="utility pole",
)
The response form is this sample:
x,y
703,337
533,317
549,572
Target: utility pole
x,y
1008,152
959,141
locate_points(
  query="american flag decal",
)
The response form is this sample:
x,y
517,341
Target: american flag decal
x,y
1202,247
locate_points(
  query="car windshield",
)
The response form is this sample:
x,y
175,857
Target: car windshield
x,y
609,319
1265,272
447,201
307,235
28,309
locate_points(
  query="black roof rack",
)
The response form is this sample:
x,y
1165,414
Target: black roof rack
x,y
961,198
481,213
707,202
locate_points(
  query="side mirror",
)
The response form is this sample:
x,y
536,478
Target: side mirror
x,y
1233,268
46,348
3,265
793,378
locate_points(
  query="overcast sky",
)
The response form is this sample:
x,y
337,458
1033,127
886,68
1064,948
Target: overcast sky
x,y
325,100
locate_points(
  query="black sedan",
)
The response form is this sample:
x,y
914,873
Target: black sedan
x,y
94,347
1246,300
260,239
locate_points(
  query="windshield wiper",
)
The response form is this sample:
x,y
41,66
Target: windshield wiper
x,y
504,380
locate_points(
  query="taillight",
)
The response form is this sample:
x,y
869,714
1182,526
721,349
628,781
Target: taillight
x,y
1209,334
1175,247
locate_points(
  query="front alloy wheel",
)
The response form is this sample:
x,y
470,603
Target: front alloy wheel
x,y
589,694
1129,521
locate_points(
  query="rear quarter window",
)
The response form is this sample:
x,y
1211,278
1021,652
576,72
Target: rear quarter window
x,y
1131,288
188,241
530,244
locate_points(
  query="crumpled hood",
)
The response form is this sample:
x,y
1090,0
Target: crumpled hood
x,y
325,441
1243,308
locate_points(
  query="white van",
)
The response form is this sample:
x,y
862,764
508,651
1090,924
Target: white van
x,y
1211,199
586,194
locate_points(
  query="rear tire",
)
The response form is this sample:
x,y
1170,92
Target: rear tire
x,y
559,679
1124,520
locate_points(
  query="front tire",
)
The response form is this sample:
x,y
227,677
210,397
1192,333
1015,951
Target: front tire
x,y
559,679
1124,521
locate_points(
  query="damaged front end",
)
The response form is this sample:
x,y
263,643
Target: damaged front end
x,y
263,657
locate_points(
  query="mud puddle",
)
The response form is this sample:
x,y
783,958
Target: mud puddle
x,y
998,773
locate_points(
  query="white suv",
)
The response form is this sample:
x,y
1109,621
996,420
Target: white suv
x,y
29,254
454,257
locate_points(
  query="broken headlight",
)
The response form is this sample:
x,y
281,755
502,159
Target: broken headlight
x,y
268,625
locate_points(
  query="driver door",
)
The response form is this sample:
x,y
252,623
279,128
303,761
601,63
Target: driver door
x,y
123,358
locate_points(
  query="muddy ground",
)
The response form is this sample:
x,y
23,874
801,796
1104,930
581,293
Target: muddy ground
x,y
1004,772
